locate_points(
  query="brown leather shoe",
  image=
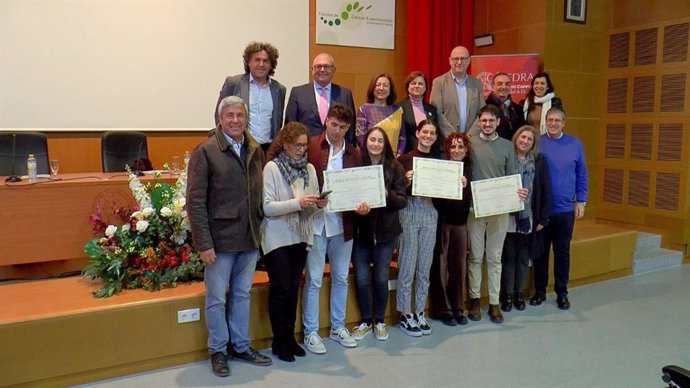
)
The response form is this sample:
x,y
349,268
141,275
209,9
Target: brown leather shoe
x,y
474,313
495,313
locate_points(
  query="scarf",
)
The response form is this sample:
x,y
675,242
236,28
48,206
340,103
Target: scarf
x,y
299,221
526,169
545,106
292,169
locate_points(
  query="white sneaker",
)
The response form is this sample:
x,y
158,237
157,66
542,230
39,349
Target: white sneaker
x,y
342,336
380,331
360,331
314,343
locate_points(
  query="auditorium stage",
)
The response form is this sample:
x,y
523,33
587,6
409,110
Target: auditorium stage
x,y
54,333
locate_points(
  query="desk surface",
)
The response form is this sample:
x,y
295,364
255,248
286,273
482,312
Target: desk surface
x,y
48,220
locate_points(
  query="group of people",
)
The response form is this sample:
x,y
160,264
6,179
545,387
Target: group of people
x,y
255,187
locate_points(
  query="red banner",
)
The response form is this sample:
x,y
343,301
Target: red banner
x,y
520,67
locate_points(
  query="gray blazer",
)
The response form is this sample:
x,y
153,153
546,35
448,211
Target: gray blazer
x,y
238,85
444,96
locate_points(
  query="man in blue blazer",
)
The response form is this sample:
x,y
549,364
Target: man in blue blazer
x,y
309,103
264,96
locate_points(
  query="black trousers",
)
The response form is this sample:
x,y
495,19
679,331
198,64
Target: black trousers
x,y
558,233
284,266
514,263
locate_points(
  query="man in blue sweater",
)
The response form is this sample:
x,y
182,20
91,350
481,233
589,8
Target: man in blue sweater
x,y
566,160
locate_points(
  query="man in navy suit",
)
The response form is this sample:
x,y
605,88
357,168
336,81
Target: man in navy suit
x,y
264,96
309,103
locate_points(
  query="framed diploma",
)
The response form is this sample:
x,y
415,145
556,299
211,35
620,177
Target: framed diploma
x,y
437,178
351,186
496,196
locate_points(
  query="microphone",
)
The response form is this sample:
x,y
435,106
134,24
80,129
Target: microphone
x,y
14,177
138,162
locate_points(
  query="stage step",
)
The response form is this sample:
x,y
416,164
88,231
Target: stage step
x,y
649,256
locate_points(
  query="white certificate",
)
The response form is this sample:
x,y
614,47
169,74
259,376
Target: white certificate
x,y
437,178
351,186
496,196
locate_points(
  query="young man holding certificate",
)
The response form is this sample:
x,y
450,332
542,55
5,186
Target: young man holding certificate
x,y
492,157
333,234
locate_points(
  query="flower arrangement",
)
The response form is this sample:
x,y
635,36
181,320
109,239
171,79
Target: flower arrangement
x,y
151,249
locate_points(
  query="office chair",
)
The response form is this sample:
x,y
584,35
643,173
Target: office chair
x,y
120,148
18,146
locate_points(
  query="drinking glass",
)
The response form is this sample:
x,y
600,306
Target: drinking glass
x,y
54,168
175,165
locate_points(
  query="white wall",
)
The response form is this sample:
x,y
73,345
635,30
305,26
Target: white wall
x,y
90,64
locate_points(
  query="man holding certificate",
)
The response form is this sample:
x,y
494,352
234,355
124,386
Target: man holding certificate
x,y
492,157
333,232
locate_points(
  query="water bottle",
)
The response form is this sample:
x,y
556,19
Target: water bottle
x,y
31,167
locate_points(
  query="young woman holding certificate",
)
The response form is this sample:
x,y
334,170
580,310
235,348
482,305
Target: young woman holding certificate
x,y
449,269
524,237
375,237
291,196
416,250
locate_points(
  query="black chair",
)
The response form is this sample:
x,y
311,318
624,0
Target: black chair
x,y
123,148
23,143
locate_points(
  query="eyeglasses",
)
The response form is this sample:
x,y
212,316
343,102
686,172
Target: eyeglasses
x,y
460,59
323,67
300,146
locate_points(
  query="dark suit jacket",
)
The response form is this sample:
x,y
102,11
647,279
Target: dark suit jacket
x,y
302,107
318,153
225,195
508,125
410,123
239,86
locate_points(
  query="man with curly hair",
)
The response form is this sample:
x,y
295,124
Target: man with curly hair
x,y
264,96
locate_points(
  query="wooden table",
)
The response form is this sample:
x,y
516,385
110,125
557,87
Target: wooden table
x,y
48,220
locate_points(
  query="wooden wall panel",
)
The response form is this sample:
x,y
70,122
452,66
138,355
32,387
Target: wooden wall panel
x,y
613,185
667,191
617,95
673,92
676,43
615,141
645,46
641,141
619,50
638,188
671,142
643,94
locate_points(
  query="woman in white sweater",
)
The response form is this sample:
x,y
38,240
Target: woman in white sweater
x,y
291,195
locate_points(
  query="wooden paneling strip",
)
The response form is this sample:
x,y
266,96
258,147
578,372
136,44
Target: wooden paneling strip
x,y
615,141
619,50
643,94
638,188
645,46
613,185
617,95
675,43
667,191
673,92
641,141
671,142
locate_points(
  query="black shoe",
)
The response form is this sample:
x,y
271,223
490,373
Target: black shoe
x,y
280,350
461,319
294,347
219,364
507,304
563,302
449,321
537,299
253,357
519,301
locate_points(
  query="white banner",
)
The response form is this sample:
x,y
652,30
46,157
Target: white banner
x,y
367,23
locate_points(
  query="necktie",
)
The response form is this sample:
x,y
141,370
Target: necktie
x,y
323,105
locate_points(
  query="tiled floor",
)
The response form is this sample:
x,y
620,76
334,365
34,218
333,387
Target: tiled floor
x,y
617,334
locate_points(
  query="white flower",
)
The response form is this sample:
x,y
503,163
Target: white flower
x,y
138,215
147,211
179,203
142,225
126,227
110,231
166,212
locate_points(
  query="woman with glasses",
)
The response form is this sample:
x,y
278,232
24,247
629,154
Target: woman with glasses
x,y
381,111
415,108
376,235
291,196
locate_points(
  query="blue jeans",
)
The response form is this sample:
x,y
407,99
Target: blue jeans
x,y
339,252
380,255
236,271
